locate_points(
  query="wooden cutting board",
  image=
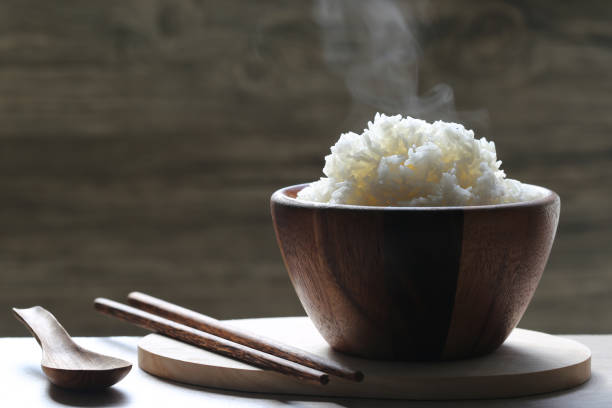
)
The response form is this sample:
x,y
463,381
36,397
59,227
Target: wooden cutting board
x,y
529,362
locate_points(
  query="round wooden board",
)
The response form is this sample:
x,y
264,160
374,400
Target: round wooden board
x,y
529,362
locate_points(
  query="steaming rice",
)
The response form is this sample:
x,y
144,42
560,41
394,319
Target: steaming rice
x,y
400,161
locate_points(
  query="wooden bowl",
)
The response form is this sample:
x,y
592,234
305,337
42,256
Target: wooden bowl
x,y
414,283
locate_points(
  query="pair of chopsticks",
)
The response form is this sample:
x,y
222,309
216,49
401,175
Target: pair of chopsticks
x,y
211,334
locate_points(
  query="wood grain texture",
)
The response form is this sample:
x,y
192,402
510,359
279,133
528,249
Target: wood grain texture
x,y
215,327
117,117
414,283
503,255
65,363
528,363
210,342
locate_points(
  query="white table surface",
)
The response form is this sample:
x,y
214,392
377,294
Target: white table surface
x,y
24,384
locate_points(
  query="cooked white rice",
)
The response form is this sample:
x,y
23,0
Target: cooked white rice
x,y
400,161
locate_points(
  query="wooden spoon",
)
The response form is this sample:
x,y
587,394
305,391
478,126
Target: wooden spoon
x,y
64,362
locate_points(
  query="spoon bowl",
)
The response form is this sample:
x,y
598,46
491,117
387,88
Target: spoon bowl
x,y
64,362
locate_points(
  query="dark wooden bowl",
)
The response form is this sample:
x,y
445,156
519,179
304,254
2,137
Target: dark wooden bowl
x,y
414,283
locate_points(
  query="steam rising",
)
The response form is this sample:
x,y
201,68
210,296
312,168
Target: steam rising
x,y
371,44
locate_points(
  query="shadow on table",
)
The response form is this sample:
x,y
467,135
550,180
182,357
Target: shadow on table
x,y
296,399
280,399
558,398
107,397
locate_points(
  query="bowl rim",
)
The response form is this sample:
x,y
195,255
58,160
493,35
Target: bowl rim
x,y
280,197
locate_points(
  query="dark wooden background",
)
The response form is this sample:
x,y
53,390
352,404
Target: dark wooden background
x,y
140,141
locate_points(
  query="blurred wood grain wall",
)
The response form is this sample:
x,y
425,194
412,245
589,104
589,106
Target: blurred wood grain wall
x,y
140,141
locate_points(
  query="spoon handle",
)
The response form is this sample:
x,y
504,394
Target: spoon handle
x,y
45,328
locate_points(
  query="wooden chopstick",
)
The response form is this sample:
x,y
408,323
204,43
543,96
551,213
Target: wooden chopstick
x,y
210,342
210,325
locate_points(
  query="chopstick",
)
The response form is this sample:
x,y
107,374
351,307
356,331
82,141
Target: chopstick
x,y
213,326
210,342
